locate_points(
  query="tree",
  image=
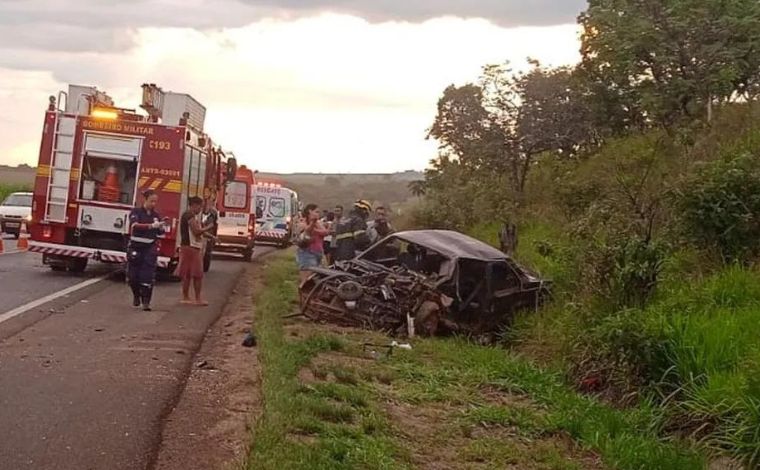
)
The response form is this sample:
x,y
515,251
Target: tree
x,y
501,125
673,58
417,188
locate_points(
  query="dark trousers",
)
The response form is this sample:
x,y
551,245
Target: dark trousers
x,y
141,270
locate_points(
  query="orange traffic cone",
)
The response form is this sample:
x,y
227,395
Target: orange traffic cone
x,y
23,238
110,190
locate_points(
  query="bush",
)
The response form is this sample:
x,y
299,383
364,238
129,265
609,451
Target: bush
x,y
720,208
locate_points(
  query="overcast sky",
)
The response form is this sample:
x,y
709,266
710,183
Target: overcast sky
x,y
289,85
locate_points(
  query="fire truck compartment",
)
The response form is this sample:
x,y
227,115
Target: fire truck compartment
x,y
103,219
108,181
109,169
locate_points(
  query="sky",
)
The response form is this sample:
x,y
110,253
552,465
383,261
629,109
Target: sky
x,y
289,85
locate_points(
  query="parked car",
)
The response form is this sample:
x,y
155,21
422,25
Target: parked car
x,y
15,209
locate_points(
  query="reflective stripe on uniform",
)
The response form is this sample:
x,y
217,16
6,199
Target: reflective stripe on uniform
x,y
141,240
343,236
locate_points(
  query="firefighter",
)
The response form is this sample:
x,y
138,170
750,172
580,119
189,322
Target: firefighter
x,y
351,232
145,225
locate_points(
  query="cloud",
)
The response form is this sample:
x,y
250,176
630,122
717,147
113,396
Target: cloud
x,y
507,13
100,26
322,93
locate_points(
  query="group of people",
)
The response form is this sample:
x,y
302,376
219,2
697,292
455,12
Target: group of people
x,y
196,229
336,236
321,237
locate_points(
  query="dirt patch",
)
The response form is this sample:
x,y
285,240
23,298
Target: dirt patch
x,y
210,426
435,442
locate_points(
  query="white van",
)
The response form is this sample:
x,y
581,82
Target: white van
x,y
276,213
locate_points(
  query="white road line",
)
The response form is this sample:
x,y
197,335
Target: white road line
x,y
48,298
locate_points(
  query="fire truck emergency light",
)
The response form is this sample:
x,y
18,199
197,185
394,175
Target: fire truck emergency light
x,y
100,113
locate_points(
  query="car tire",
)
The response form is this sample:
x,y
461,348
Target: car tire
x,y
58,268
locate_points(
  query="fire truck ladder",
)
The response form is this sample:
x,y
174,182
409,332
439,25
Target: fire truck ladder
x,y
60,168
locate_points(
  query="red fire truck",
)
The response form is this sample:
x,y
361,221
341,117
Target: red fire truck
x,y
95,161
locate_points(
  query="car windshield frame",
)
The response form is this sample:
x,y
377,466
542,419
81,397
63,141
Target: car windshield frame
x,y
12,200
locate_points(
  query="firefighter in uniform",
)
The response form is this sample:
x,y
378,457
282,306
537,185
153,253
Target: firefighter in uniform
x,y
351,232
145,225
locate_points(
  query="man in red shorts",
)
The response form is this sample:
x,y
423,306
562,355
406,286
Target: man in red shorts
x,y
190,268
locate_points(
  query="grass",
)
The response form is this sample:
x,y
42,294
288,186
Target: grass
x,y
325,426
625,439
447,402
6,189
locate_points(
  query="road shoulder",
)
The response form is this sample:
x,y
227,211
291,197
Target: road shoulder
x,y
210,425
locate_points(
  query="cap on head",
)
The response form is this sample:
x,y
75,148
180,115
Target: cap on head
x,y
362,204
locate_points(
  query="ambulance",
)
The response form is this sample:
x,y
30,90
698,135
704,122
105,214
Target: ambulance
x,y
96,159
237,222
276,211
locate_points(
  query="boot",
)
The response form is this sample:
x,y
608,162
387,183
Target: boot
x,y
146,295
135,294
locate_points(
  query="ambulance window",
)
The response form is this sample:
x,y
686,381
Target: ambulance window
x,y
235,195
277,207
261,203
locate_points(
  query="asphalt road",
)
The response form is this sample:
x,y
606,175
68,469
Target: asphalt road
x,y
85,380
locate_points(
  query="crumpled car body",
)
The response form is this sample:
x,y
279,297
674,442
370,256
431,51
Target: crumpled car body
x,y
428,282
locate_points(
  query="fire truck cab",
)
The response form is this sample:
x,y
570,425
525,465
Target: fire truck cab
x,y
95,161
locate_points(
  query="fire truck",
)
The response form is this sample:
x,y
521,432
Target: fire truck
x,y
96,160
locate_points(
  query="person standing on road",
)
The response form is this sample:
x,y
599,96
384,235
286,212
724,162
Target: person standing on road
x,y
145,226
190,268
310,241
351,233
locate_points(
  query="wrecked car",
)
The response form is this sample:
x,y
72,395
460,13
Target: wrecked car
x,y
423,282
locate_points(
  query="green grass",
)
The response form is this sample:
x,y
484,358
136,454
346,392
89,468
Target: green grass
x,y
712,349
448,371
341,420
322,426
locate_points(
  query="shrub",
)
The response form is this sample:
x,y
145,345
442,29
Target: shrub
x,y
720,208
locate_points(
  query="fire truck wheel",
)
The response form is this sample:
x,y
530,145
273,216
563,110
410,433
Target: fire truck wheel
x,y
78,265
57,268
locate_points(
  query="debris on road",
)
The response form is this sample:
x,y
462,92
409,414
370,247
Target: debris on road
x,y
250,340
426,282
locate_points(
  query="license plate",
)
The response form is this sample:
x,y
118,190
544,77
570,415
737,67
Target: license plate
x,y
13,224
